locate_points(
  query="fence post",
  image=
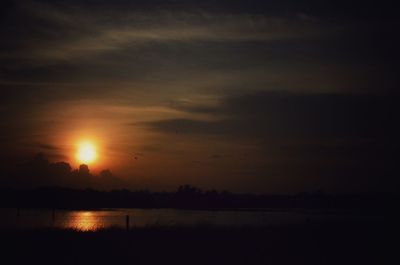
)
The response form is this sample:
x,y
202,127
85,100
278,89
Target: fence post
x,y
53,214
127,222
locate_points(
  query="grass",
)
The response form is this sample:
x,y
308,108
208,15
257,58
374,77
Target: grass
x,y
327,243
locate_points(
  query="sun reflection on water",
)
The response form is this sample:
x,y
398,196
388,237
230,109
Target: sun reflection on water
x,y
84,221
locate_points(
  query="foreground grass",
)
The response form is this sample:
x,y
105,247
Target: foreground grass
x,y
328,243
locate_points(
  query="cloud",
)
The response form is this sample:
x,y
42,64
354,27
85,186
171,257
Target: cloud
x,y
57,32
336,140
289,115
48,147
79,46
299,126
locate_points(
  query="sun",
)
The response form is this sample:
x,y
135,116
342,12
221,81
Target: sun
x,y
86,152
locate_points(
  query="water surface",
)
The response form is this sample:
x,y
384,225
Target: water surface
x,y
106,218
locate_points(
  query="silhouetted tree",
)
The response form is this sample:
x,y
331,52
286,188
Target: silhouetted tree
x,y
84,170
60,169
188,196
106,174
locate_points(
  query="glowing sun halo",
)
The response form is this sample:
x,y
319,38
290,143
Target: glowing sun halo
x,y
86,152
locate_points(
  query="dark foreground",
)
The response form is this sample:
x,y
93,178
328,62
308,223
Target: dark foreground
x,y
333,243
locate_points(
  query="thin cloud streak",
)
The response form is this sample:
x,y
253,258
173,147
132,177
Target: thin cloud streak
x,y
87,33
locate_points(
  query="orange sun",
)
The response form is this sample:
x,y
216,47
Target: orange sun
x,y
86,152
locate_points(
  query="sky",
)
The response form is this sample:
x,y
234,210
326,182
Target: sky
x,y
248,96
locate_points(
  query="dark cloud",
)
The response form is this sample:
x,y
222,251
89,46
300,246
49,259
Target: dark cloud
x,y
52,152
326,7
48,147
65,46
287,115
329,136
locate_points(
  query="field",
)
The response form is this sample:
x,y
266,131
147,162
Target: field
x,y
328,243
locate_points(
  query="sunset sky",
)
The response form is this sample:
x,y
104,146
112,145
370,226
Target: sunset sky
x,y
248,96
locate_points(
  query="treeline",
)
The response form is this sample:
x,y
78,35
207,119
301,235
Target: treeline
x,y
189,197
38,171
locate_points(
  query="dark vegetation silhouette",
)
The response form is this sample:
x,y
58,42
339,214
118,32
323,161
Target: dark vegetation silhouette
x,y
333,242
97,193
188,197
38,171
307,244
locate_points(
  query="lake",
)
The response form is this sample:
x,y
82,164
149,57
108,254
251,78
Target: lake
x,y
107,218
